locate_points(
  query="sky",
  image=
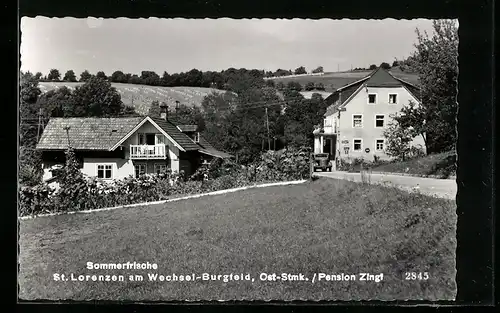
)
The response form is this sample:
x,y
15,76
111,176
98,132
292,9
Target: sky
x,y
179,45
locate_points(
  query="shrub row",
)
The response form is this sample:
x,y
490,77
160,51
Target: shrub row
x,y
89,193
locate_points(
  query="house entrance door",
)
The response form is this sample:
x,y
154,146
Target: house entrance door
x,y
328,146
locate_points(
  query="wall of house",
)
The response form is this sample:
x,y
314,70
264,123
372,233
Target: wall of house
x,y
189,162
369,133
173,151
121,168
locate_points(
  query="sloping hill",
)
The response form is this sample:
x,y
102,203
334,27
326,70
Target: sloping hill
x,y
141,96
332,81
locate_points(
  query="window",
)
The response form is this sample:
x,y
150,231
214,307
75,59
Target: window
x,y
358,144
379,144
160,168
140,169
379,120
357,120
104,171
372,98
141,139
160,139
393,98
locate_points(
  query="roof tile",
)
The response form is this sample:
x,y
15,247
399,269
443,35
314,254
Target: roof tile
x,y
86,133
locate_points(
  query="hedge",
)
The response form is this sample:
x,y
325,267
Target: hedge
x,y
89,193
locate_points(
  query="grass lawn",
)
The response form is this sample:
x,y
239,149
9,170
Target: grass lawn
x,y
325,226
441,164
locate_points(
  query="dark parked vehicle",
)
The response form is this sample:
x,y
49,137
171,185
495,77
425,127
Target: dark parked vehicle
x,y
322,161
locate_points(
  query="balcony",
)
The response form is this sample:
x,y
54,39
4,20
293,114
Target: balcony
x,y
148,152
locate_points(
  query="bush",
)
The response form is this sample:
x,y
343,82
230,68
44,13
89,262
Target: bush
x,y
78,192
30,166
36,199
29,175
215,168
292,163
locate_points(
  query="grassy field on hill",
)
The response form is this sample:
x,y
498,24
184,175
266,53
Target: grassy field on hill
x,y
335,80
141,96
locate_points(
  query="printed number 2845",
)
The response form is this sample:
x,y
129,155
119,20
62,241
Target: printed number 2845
x,y
416,275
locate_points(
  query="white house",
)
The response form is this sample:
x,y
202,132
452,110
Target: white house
x,y
114,148
359,112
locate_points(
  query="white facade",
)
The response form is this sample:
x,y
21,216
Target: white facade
x,y
119,168
360,128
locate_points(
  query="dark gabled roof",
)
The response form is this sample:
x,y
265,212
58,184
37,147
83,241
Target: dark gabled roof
x,y
204,144
216,153
187,128
87,133
207,148
377,78
382,78
98,134
182,139
340,96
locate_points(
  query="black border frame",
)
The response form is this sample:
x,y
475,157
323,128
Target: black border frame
x,y
476,115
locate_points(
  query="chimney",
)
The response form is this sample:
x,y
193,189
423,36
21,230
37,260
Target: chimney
x,y
177,106
164,111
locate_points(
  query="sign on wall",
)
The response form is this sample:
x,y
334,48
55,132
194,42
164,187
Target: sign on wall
x,y
345,141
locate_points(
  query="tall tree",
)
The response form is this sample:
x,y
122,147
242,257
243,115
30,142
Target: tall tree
x,y
165,79
193,78
319,69
70,76
134,79
300,70
118,77
54,75
85,76
96,98
300,118
435,59
55,102
150,78
385,65
28,109
29,158
101,75
186,115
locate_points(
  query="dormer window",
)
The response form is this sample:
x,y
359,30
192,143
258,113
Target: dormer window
x,y
196,137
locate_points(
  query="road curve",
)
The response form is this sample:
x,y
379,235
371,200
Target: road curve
x,y
441,188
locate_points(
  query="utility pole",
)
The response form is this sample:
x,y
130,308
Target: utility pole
x,y
268,139
39,124
66,128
